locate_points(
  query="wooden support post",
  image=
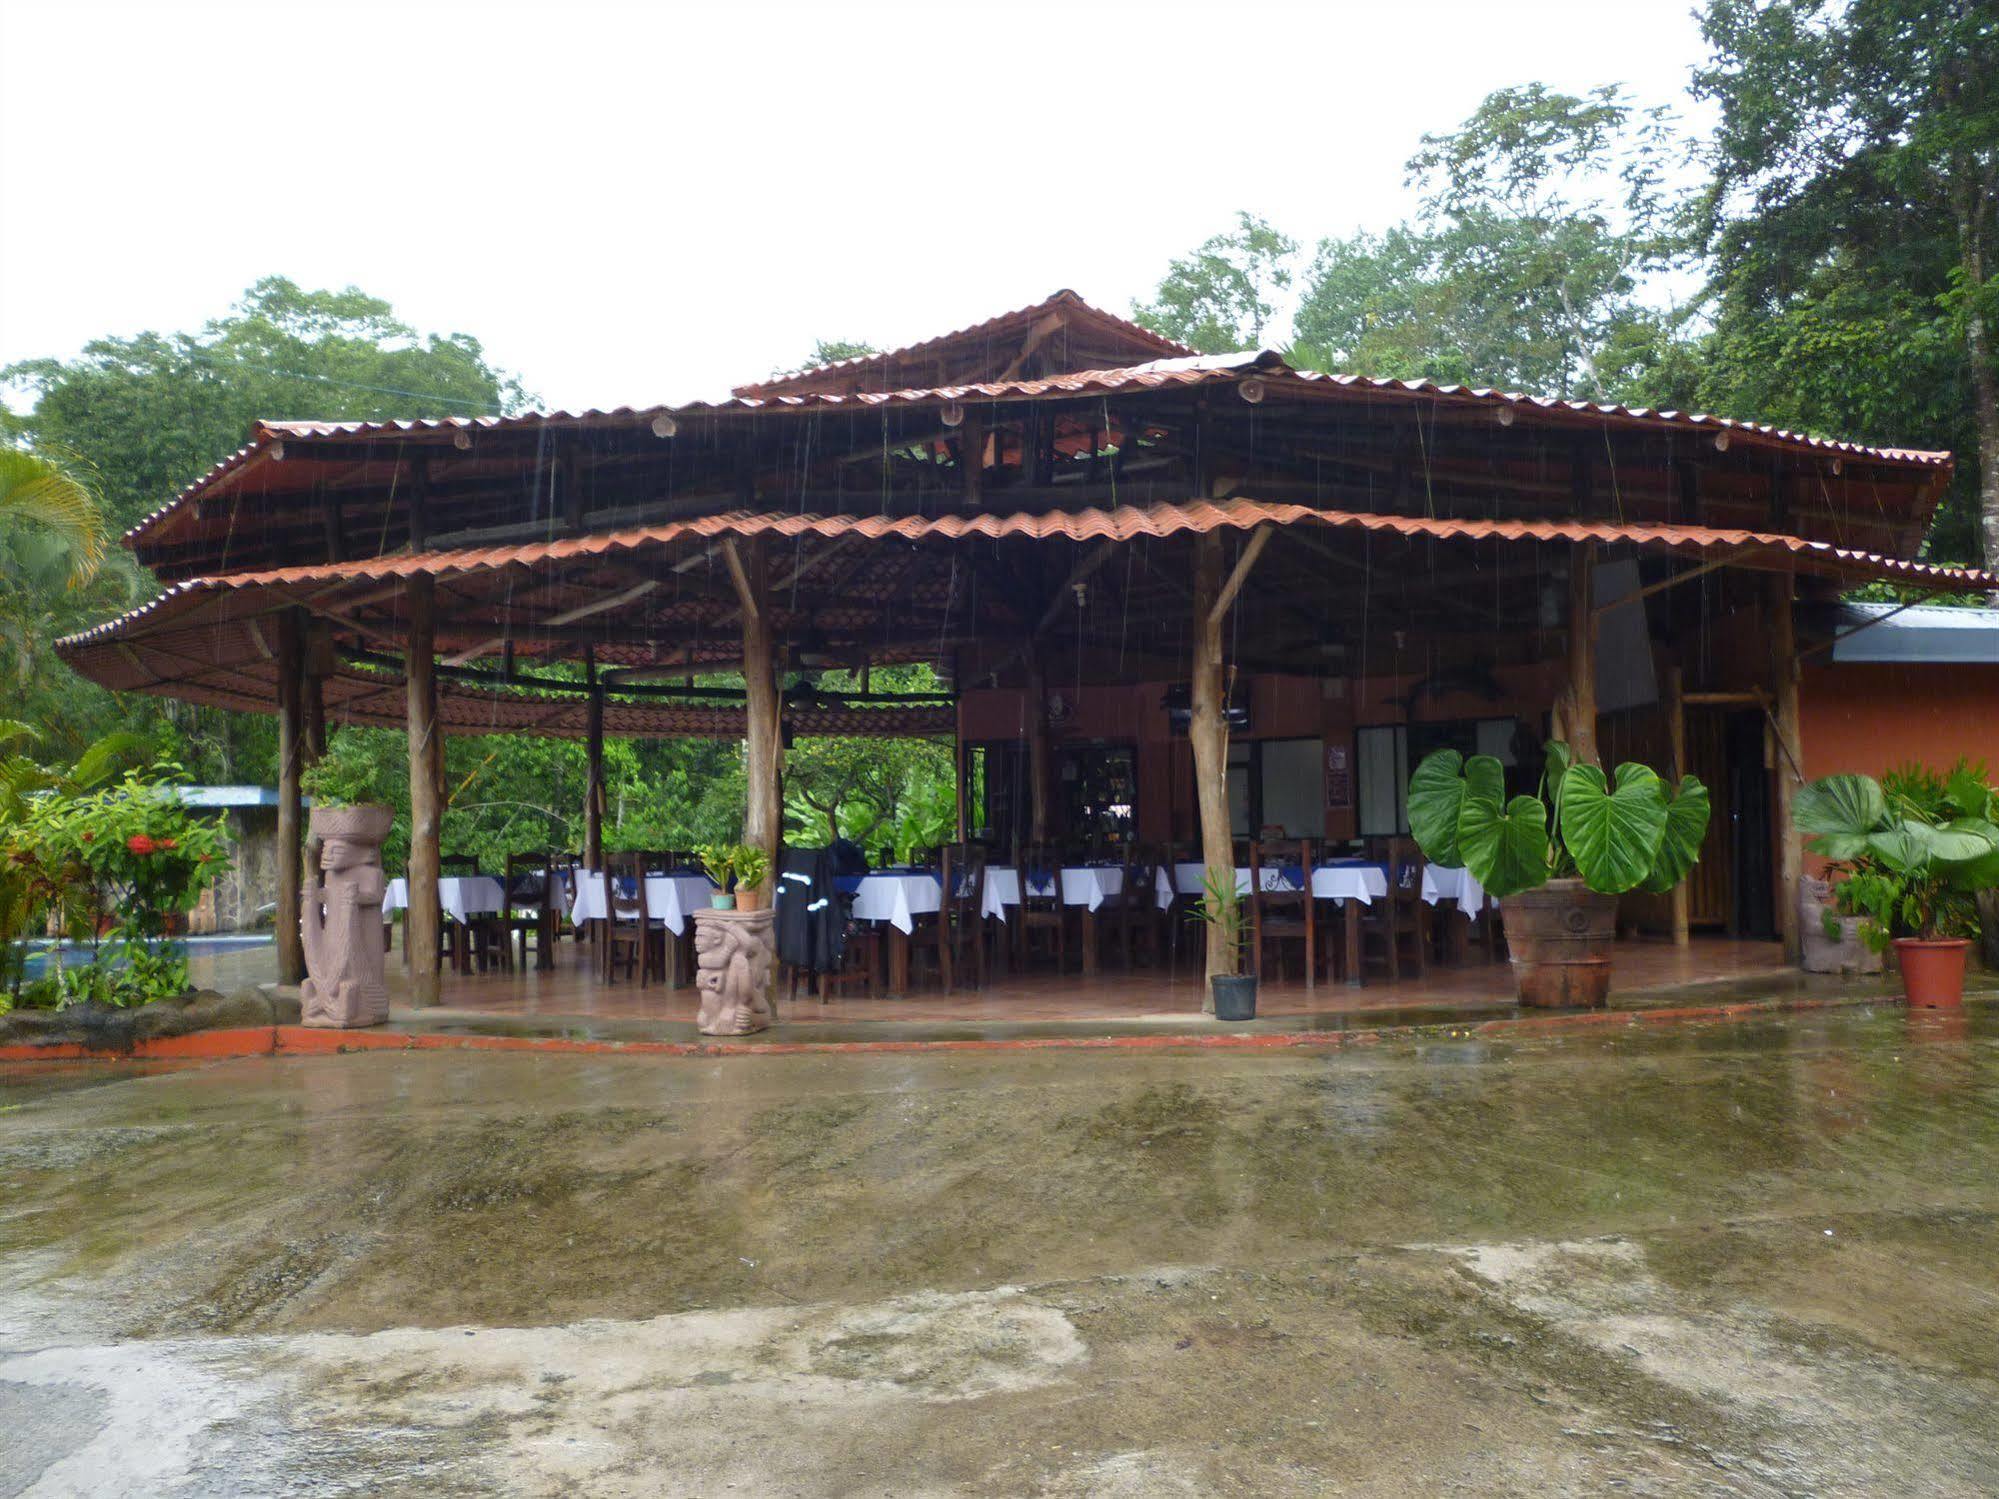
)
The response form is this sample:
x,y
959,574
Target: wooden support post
x,y
1676,739
1579,695
1208,734
422,922
958,778
763,734
1780,631
291,817
972,458
1037,747
593,783
420,505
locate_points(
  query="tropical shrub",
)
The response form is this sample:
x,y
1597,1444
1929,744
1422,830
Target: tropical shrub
x,y
115,869
1631,831
1220,906
1909,853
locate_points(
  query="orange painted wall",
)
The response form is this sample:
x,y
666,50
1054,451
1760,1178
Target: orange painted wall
x,y
1866,716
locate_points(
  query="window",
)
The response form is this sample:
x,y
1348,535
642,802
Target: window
x,y
1277,783
1387,753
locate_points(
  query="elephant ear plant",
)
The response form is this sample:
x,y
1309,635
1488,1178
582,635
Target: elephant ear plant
x,y
1910,855
1634,831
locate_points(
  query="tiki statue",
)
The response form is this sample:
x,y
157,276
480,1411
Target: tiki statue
x,y
342,920
733,951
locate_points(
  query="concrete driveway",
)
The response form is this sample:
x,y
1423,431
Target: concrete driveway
x,y
1712,1259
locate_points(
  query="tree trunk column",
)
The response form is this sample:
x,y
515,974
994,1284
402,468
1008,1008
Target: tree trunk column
x,y
1208,734
763,742
291,815
423,919
1781,631
593,783
1579,695
1676,735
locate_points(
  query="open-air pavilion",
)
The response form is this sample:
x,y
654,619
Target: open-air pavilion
x,y
1176,601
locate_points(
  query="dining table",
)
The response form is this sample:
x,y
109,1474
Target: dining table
x,y
1352,883
1086,887
671,897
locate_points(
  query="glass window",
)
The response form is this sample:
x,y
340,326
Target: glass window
x,y
1382,763
1294,786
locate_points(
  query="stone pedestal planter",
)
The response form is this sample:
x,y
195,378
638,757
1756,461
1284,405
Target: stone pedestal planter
x,y
341,922
1824,954
734,955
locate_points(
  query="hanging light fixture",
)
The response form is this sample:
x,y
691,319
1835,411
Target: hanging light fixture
x,y
954,414
664,425
1252,390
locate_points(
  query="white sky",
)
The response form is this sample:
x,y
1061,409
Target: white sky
x,y
631,204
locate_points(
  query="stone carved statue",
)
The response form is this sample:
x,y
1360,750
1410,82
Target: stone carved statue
x,y
341,922
733,956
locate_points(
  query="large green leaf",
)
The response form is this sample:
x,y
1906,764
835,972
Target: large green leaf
x,y
1967,792
1613,831
1436,796
1504,846
1840,805
1686,825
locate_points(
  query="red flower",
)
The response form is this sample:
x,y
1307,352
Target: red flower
x,y
140,844
168,843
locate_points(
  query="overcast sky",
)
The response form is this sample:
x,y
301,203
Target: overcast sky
x,y
632,204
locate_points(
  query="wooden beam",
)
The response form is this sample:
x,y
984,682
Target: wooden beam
x,y
746,593
1240,574
1780,634
568,617
291,817
1579,696
1038,772
1738,560
1676,749
422,921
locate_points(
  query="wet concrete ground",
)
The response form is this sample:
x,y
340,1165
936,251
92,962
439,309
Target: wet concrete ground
x,y
1712,1259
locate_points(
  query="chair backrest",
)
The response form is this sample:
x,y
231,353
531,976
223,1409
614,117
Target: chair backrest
x,y
962,868
1141,875
457,865
529,882
1405,869
1040,861
625,888
1289,878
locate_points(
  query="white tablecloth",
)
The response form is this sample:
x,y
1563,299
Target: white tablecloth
x,y
898,899
1440,883
669,897
461,895
1081,886
1361,882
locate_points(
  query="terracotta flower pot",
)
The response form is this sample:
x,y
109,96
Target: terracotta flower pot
x,y
749,899
1560,938
1932,970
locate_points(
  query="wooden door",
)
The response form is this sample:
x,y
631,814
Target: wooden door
x,y
1710,885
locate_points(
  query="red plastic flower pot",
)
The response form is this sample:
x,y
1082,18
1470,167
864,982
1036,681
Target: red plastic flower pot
x,y
1932,970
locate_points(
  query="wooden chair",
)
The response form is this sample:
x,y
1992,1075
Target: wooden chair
x,y
532,912
481,936
957,932
1398,924
1041,912
1137,922
628,927
1280,902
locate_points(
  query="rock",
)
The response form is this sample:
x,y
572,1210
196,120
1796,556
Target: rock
x,y
245,1007
285,1007
166,1017
22,1026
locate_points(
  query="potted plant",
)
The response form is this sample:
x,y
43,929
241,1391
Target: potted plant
x,y
1558,859
1908,855
738,870
343,800
1220,907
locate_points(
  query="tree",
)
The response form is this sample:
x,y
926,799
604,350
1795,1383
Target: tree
x,y
1219,299
145,416
1853,221
152,413
37,491
1543,215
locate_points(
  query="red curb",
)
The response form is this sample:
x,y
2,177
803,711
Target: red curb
x,y
305,1041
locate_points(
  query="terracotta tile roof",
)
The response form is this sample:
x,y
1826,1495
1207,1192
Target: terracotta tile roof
x,y
1765,550
1178,371
1064,301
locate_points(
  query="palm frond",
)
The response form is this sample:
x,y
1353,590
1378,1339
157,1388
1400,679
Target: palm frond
x,y
39,490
